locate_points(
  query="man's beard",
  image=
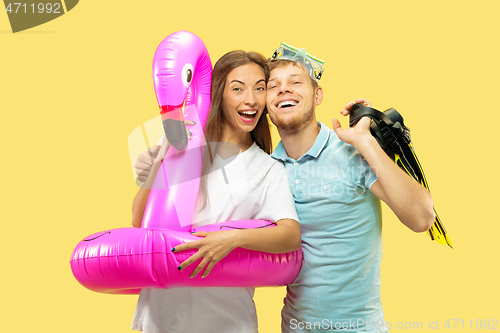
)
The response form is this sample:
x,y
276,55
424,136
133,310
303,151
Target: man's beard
x,y
292,124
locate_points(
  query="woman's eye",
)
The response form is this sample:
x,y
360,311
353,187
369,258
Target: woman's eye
x,y
236,89
261,88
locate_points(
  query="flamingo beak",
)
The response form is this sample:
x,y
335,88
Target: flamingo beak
x,y
172,117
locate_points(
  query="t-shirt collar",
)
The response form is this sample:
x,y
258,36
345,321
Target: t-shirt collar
x,y
320,142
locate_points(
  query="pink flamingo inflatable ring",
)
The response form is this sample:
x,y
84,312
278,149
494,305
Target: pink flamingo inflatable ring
x,y
125,260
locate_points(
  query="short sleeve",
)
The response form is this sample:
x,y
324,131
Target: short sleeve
x,y
278,200
162,138
360,171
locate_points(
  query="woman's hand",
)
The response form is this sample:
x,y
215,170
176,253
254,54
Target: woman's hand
x,y
144,162
149,162
146,159
213,247
284,237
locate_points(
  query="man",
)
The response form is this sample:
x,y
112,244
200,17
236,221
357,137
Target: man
x,y
336,177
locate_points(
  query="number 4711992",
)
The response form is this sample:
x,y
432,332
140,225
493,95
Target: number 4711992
x,y
486,324
41,8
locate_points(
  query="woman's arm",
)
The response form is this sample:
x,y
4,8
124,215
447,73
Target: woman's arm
x,y
284,237
147,165
144,166
138,206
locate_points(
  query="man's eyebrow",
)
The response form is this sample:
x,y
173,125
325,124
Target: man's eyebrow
x,y
291,75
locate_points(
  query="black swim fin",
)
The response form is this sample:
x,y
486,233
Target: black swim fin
x,y
394,138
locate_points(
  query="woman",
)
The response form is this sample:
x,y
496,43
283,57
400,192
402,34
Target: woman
x,y
252,186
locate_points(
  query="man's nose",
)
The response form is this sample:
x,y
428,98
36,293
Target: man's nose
x,y
285,88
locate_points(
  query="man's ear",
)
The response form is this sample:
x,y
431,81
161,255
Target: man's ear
x,y
318,92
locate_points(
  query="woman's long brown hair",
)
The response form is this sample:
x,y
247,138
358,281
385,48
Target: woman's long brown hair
x,y
261,134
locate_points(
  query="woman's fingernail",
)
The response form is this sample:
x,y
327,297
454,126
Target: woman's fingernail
x,y
190,132
179,268
191,277
173,250
203,276
194,122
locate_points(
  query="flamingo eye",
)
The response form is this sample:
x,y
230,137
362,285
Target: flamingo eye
x,y
187,74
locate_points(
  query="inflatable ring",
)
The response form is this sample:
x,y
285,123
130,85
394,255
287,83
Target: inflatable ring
x,y
125,260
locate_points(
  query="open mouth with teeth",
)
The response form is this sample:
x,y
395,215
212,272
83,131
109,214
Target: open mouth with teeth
x,y
247,116
286,104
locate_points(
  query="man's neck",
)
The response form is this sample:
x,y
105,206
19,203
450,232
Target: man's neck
x,y
299,142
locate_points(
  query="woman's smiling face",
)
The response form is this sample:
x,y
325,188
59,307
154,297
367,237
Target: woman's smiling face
x,y
244,98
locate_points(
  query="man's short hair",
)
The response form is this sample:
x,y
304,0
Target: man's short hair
x,y
275,63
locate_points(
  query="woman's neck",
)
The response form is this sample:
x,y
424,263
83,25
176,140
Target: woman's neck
x,y
240,138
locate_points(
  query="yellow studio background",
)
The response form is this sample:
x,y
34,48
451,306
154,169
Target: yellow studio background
x,y
73,89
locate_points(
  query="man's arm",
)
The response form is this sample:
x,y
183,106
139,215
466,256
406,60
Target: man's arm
x,y
410,201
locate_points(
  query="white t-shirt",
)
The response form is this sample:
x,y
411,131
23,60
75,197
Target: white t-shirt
x,y
251,186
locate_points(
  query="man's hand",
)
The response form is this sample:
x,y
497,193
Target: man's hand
x,y
356,135
348,106
213,247
360,132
